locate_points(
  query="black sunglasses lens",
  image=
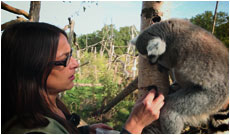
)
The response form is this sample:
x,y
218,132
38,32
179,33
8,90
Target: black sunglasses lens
x,y
68,58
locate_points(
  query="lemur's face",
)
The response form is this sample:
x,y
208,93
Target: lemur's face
x,y
149,46
155,48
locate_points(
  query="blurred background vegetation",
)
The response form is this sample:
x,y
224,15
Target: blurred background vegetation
x,y
112,67
205,20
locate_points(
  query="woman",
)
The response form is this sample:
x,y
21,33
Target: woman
x,y
37,66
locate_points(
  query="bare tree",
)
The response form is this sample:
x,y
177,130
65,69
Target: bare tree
x,y
33,14
148,74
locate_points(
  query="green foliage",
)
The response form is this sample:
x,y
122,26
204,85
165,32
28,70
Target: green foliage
x,y
205,20
90,39
83,100
222,32
110,86
108,33
122,38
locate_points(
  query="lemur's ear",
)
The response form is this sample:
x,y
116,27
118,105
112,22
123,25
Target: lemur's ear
x,y
134,40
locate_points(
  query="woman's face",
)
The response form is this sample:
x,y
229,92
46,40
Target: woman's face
x,y
61,78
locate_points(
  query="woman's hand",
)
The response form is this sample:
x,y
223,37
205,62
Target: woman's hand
x,y
145,111
98,125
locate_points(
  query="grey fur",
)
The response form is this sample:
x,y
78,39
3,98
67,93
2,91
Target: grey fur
x,y
201,68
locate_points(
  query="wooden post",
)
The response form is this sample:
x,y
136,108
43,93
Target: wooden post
x,y
71,33
214,18
134,68
35,11
79,61
86,43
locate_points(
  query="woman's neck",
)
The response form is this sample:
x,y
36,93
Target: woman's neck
x,y
51,100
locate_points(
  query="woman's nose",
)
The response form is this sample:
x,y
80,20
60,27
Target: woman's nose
x,y
74,63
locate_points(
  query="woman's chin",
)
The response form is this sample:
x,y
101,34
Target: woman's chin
x,y
70,86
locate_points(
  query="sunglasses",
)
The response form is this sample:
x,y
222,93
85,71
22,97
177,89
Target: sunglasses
x,y
64,62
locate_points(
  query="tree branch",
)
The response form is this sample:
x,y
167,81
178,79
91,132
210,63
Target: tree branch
x,y
19,19
14,10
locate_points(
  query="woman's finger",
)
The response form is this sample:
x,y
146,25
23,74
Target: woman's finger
x,y
151,95
158,99
159,106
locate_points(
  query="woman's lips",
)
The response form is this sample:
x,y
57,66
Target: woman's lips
x,y
72,77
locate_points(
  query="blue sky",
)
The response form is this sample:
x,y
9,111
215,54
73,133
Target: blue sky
x,y
120,13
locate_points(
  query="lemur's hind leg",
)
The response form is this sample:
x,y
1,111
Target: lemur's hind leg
x,y
185,104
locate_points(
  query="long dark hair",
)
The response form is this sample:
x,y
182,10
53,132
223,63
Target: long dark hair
x,y
27,49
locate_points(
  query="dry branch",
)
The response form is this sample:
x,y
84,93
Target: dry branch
x,y
93,45
84,64
14,10
19,19
66,27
